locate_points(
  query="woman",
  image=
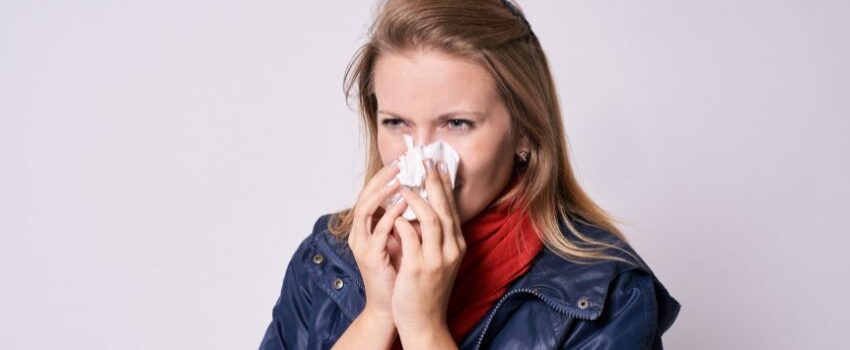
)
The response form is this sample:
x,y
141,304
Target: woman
x,y
514,256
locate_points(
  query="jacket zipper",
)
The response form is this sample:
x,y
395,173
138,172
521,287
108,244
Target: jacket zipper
x,y
533,292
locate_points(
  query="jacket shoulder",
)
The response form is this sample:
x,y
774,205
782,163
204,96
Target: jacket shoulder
x,y
636,314
331,244
633,273
638,283
589,290
309,252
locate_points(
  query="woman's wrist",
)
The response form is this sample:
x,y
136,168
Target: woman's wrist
x,y
377,318
371,329
433,335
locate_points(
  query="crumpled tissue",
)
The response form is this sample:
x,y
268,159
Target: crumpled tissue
x,y
413,173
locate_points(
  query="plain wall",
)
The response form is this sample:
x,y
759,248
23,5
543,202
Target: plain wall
x,y
161,160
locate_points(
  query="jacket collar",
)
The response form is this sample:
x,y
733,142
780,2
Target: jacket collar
x,y
574,289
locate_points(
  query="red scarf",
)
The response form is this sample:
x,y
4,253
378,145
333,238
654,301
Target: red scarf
x,y
500,247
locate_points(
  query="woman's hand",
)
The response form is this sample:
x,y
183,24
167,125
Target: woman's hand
x,y
368,243
428,267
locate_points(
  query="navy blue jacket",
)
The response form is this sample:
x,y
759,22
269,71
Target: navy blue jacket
x,y
557,304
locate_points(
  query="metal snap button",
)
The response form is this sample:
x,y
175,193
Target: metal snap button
x,y
318,258
583,303
338,283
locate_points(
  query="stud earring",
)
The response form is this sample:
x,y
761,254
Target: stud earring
x,y
523,156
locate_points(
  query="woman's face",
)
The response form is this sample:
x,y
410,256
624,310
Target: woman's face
x,y
432,96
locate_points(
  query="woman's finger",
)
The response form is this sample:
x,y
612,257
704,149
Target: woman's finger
x,y
369,201
429,222
382,177
446,182
385,225
372,197
437,196
411,249
365,211
381,182
454,241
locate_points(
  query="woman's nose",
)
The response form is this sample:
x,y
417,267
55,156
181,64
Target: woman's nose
x,y
422,137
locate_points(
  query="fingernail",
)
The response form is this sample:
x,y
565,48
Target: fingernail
x,y
443,167
392,182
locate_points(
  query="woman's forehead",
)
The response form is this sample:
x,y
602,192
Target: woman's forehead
x,y
431,81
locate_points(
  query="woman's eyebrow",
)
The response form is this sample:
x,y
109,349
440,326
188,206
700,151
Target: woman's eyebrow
x,y
441,117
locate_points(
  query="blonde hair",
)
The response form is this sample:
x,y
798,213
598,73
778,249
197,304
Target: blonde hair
x,y
488,33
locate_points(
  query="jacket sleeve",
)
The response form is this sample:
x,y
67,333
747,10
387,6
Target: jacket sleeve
x,y
630,319
289,325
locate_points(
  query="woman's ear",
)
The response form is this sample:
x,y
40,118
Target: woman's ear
x,y
523,150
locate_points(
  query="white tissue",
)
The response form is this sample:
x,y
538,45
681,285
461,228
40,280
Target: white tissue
x,y
413,173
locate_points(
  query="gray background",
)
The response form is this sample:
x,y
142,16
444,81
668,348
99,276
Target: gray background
x,y
160,160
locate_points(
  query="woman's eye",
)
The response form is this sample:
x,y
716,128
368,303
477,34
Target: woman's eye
x,y
392,122
460,124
